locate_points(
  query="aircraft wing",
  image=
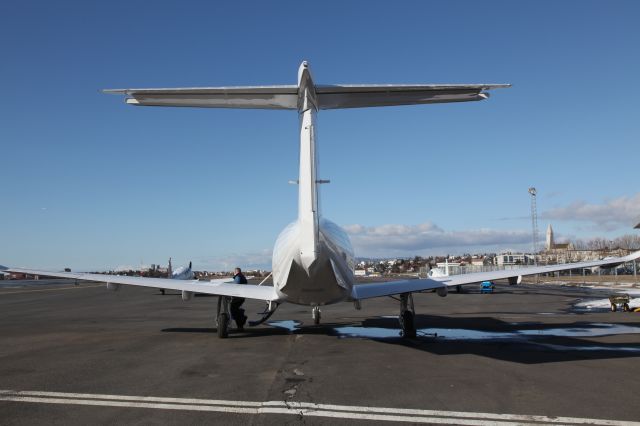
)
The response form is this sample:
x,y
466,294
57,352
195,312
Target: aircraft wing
x,y
221,287
366,291
358,96
261,97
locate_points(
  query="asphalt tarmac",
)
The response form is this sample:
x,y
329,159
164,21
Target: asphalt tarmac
x,y
78,355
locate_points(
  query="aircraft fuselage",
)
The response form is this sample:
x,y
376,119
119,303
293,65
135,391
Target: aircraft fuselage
x,y
313,260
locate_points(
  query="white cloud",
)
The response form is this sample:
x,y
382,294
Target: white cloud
x,y
429,238
392,239
617,213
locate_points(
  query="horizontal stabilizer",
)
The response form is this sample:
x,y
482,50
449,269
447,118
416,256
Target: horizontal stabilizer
x,y
287,97
358,96
260,97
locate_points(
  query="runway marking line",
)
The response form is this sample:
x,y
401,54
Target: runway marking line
x,y
51,289
298,409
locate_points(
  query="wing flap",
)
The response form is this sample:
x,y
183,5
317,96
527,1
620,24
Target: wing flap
x,y
216,288
368,291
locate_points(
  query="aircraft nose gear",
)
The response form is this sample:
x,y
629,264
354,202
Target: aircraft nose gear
x,y
315,314
222,317
407,314
266,314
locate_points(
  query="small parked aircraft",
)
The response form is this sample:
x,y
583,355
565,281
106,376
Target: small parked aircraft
x,y
182,273
313,261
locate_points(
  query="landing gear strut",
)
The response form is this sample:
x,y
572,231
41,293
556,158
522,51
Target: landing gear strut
x,y
222,317
315,314
268,311
407,314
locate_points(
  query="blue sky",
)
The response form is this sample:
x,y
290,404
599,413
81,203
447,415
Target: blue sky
x,y
91,183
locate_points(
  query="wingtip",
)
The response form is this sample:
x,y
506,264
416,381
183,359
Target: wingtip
x,y
114,91
499,86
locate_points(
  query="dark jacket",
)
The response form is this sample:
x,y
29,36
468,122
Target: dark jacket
x,y
239,278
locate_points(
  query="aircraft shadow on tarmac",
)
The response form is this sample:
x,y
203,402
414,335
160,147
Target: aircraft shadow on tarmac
x,y
542,290
248,332
526,343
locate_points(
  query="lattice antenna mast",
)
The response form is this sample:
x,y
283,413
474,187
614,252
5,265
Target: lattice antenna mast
x,y
534,222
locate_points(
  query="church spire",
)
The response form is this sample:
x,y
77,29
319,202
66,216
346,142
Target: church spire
x,y
550,243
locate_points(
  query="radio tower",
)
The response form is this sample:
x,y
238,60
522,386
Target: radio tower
x,y
534,222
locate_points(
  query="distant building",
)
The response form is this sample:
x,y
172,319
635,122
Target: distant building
x,y
481,261
566,252
509,259
449,264
551,243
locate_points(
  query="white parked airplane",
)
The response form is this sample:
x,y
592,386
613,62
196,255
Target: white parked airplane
x,y
313,261
182,273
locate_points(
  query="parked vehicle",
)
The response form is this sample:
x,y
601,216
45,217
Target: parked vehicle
x,y
487,287
620,301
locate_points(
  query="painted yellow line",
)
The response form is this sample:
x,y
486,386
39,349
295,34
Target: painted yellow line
x,y
50,289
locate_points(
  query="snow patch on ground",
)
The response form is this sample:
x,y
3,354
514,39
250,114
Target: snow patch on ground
x,y
597,304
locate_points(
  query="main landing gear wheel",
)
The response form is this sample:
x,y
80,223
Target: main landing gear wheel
x,y
408,325
407,316
223,317
315,314
223,326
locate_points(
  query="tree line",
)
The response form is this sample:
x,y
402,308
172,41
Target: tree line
x,y
627,242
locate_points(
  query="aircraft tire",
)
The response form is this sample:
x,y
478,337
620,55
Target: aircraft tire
x,y
408,325
613,308
223,326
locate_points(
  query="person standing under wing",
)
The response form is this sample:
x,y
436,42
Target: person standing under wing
x,y
237,313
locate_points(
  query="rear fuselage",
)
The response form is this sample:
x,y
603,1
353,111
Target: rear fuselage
x,y
313,259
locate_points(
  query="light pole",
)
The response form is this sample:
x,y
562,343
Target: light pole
x,y
534,222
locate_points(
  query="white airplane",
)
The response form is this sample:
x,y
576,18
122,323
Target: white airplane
x,y
182,273
313,261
